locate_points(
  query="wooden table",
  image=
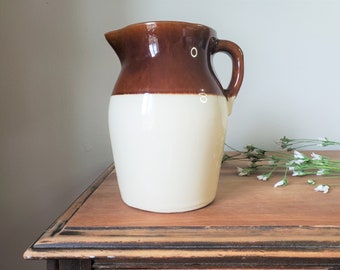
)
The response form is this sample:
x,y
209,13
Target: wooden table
x,y
250,224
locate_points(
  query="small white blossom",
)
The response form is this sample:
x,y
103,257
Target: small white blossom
x,y
323,140
322,188
321,172
298,161
239,169
316,156
262,177
290,163
310,182
280,183
298,155
295,173
242,171
298,173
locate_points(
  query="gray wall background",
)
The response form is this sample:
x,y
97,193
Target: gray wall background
x,y
57,73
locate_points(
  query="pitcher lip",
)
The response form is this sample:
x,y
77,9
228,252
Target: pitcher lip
x,y
164,22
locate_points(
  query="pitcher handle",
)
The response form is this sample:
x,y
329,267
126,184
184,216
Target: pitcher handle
x,y
236,55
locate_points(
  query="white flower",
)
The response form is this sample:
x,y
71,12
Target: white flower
x,y
295,173
323,140
298,173
322,172
262,177
242,172
310,182
299,161
239,169
316,156
280,183
322,188
298,155
290,163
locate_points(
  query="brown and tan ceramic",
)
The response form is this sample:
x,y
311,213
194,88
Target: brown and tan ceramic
x,y
168,114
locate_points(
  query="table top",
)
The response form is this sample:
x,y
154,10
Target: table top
x,y
247,218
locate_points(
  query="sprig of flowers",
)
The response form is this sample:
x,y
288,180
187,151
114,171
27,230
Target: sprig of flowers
x,y
289,160
294,144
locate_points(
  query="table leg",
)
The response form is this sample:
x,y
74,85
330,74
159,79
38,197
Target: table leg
x,y
69,264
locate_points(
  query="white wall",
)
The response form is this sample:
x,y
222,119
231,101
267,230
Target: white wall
x,y
57,72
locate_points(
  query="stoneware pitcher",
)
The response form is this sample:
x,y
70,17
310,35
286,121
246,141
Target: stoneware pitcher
x,y
168,114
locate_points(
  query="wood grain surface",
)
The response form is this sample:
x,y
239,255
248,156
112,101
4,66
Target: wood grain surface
x,y
249,220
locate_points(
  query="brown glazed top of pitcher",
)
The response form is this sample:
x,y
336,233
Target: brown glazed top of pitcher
x,y
166,57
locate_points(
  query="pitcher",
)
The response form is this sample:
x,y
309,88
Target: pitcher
x,y
168,114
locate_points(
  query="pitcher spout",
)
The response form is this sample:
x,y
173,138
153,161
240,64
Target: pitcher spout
x,y
135,42
114,39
